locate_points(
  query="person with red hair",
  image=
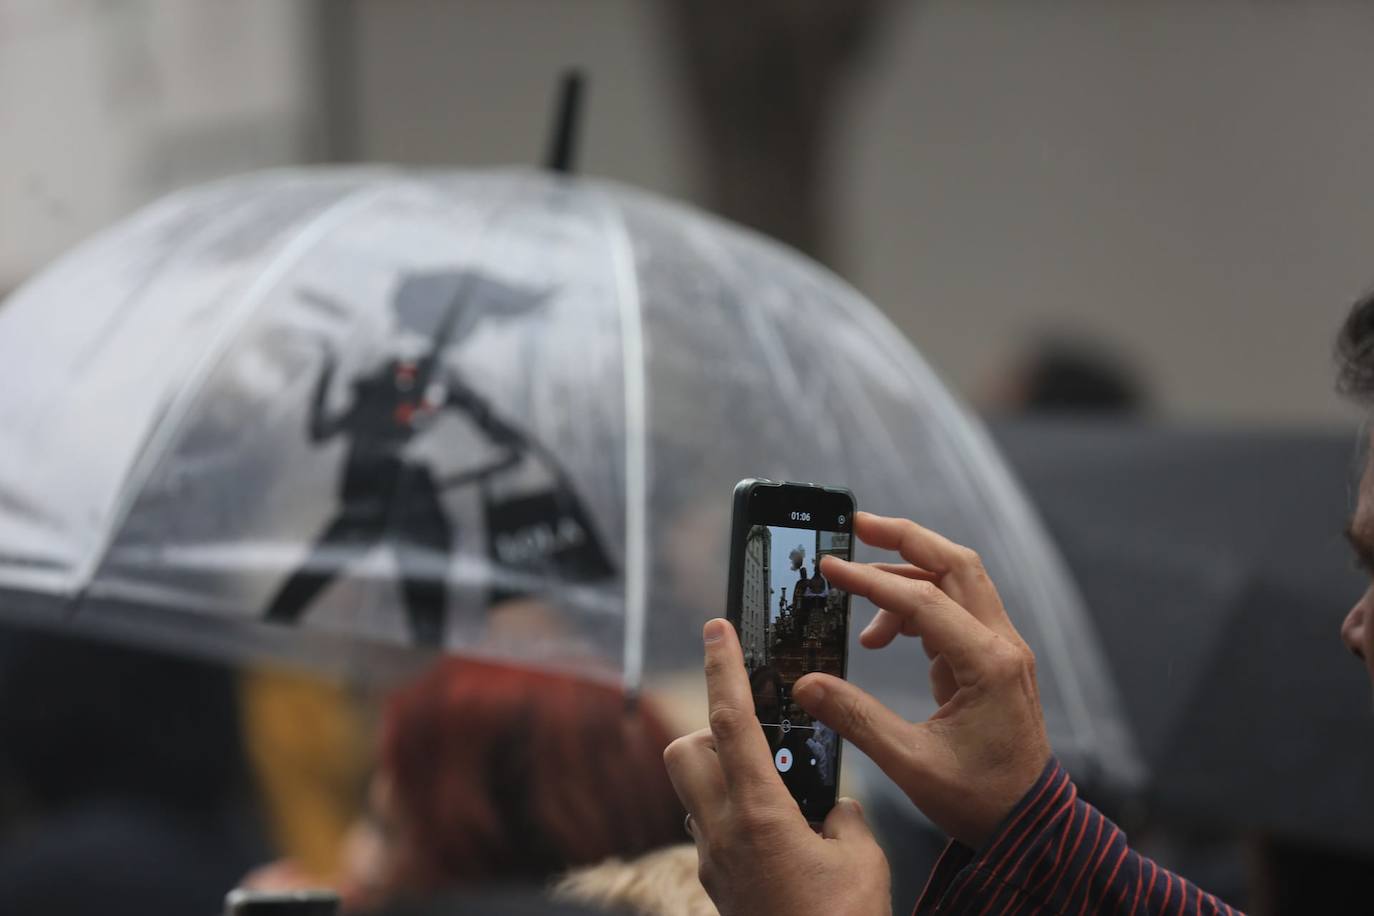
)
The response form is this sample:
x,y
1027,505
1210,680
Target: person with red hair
x,y
493,774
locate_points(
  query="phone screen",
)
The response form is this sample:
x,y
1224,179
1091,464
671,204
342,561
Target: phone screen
x,y
791,621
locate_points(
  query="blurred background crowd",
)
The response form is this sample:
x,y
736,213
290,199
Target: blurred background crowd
x,y
1122,233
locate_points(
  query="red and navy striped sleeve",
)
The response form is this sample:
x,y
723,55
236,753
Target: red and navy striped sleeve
x,y
1055,853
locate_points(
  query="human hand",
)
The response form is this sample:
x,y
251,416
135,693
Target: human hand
x,y
758,854
969,764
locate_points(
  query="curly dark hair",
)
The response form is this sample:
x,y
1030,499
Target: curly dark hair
x,y
1355,352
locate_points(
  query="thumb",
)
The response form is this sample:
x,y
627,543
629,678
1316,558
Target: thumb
x,y
846,823
858,717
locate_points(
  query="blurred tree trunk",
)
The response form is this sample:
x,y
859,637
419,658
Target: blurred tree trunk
x,y
764,78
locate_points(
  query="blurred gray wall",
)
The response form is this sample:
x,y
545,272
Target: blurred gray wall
x,y
107,105
1189,181
473,82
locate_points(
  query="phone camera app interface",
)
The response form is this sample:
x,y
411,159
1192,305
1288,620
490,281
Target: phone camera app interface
x,y
793,622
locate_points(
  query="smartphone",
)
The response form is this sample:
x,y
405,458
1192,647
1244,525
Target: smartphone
x,y
791,621
240,902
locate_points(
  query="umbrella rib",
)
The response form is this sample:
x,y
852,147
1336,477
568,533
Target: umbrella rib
x,y
636,448
175,410
1000,494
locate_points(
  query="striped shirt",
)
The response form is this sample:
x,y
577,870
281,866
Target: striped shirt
x,y
1057,854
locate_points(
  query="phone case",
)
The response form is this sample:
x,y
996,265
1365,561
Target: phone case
x,y
740,523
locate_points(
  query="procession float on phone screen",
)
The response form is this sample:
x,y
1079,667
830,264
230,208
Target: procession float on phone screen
x,y
791,621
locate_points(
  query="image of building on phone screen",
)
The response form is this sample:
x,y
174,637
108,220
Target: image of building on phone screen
x,y
793,622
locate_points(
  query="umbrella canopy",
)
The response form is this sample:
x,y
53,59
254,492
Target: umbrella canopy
x,y
321,412
1213,565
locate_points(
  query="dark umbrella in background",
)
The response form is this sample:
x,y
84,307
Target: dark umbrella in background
x,y
1214,568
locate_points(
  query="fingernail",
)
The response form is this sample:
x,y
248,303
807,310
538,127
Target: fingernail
x,y
815,691
714,630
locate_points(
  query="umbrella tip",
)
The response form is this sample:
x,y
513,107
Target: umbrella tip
x,y
562,154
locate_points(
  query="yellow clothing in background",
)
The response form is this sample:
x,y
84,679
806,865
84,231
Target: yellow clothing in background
x,y
306,745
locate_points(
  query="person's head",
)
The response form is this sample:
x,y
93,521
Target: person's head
x,y
1062,375
1355,357
497,774
662,883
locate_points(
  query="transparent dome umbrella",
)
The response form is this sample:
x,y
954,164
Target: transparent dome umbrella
x,y
321,413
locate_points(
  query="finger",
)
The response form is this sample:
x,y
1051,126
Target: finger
x,y
846,822
956,566
859,718
944,626
885,626
907,570
695,774
694,830
917,545
698,839
882,629
741,747
942,683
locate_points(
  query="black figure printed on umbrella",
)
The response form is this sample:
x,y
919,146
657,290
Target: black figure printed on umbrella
x,y
387,495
